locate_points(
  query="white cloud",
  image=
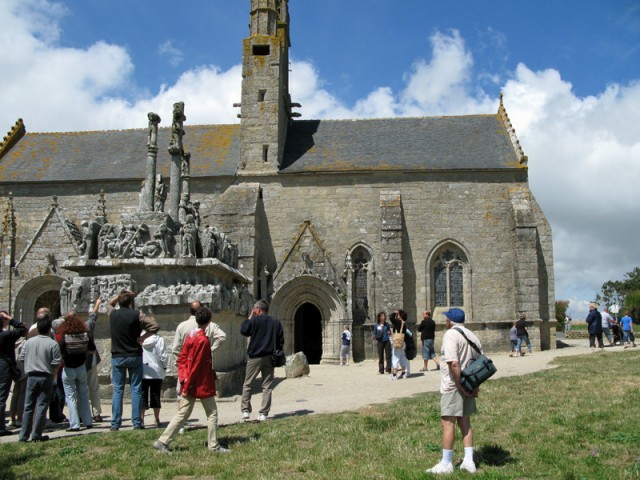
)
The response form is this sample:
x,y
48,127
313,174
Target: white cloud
x,y
172,53
584,153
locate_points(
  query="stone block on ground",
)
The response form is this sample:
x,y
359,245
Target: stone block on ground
x,y
297,365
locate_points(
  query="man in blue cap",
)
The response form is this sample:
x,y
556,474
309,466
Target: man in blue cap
x,y
456,404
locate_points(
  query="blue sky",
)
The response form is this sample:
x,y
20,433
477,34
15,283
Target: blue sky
x,y
570,72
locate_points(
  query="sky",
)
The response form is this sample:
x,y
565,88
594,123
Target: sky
x,y
569,72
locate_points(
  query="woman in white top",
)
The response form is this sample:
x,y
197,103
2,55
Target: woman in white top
x,y
155,360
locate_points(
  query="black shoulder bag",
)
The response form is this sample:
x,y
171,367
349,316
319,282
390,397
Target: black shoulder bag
x,y
278,358
481,369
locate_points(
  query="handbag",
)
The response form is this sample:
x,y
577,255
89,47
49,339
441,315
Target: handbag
x,y
481,369
278,358
398,338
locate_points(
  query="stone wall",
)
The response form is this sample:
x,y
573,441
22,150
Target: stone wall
x,y
472,209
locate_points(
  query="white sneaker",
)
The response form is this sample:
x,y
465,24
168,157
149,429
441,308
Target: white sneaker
x,y
246,416
262,417
468,466
441,468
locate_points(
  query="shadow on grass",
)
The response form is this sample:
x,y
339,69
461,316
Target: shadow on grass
x,y
494,455
8,460
295,413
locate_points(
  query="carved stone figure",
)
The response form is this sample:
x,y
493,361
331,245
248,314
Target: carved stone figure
x,y
188,233
160,194
152,133
164,236
89,245
65,296
76,295
185,208
209,242
107,238
177,132
195,210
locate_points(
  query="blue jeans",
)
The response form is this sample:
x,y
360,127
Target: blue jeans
x,y
119,368
36,402
526,340
76,393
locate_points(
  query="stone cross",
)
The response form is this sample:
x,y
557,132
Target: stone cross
x,y
152,156
176,150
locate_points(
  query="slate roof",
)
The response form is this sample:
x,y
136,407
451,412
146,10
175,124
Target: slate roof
x,y
470,142
79,156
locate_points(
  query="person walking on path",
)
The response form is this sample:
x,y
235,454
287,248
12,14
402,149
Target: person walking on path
x,y
594,322
127,325
427,329
627,330
197,381
8,366
266,336
399,359
345,339
523,335
456,404
381,333
41,356
513,340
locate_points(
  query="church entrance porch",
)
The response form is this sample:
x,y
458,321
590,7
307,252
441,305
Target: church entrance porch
x,y
312,315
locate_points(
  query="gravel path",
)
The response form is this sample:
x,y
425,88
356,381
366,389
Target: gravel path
x,y
331,388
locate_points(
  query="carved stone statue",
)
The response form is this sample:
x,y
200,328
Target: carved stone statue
x,y
209,242
177,132
188,232
160,194
65,296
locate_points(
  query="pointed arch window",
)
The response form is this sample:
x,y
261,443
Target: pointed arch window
x,y
450,268
361,265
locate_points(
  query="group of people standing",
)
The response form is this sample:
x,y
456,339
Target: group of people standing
x,y
48,360
395,344
603,324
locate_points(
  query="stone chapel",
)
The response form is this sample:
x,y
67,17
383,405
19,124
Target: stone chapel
x,y
331,221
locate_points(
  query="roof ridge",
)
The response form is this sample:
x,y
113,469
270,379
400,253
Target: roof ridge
x,y
502,112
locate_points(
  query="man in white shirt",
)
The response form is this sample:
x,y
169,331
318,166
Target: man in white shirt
x,y
456,404
607,321
214,333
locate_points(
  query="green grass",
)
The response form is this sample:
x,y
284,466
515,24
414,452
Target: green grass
x,y
578,421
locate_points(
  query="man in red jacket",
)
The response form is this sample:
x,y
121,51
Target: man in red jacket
x,y
197,381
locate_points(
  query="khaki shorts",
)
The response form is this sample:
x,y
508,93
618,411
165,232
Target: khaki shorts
x,y
454,404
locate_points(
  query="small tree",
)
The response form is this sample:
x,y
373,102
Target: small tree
x,y
561,312
632,303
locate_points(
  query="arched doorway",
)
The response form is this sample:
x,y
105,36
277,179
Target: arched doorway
x,y
308,332
321,306
43,291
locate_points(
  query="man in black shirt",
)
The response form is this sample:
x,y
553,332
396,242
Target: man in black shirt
x,y
427,329
266,336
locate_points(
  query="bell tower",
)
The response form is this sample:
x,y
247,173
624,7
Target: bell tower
x,y
266,104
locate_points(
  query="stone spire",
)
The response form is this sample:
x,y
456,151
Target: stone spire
x,y
266,103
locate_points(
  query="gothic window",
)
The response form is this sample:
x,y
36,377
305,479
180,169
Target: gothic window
x,y
448,278
361,269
